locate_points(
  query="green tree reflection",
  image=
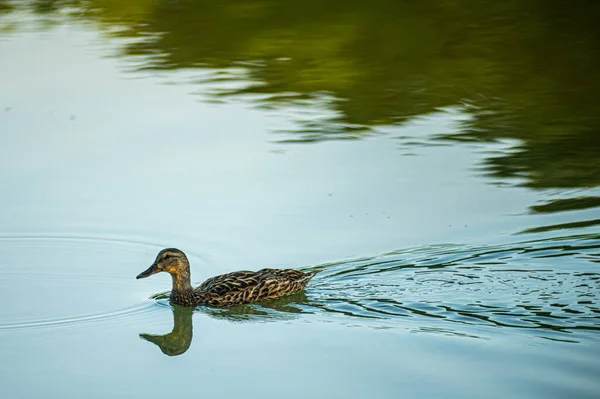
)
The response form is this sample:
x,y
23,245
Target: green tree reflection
x,y
526,70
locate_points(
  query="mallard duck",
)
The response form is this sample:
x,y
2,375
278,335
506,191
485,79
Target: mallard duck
x,y
227,289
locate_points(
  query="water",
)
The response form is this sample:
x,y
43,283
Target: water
x,y
447,187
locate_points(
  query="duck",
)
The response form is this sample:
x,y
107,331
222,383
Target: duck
x,y
229,289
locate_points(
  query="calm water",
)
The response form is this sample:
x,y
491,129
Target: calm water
x,y
437,160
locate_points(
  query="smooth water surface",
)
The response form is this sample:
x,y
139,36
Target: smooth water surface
x,y
438,161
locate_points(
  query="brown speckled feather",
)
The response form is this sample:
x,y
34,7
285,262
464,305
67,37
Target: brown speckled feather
x,y
246,286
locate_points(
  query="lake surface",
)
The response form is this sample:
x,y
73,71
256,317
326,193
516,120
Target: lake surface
x,y
438,161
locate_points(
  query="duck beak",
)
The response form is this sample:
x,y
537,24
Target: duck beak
x,y
149,272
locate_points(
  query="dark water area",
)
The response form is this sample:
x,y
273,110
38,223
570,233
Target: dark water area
x,y
436,161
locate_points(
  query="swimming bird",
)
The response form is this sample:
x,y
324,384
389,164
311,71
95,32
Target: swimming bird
x,y
226,289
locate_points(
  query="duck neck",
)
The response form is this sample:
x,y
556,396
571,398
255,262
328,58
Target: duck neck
x,y
181,282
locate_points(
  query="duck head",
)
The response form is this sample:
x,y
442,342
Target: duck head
x,y
170,260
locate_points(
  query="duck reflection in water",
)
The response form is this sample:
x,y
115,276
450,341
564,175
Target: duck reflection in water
x,y
179,340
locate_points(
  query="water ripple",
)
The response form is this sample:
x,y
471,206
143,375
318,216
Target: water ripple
x,y
46,291
551,285
115,315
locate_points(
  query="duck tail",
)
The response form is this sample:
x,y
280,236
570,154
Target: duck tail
x,y
310,274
